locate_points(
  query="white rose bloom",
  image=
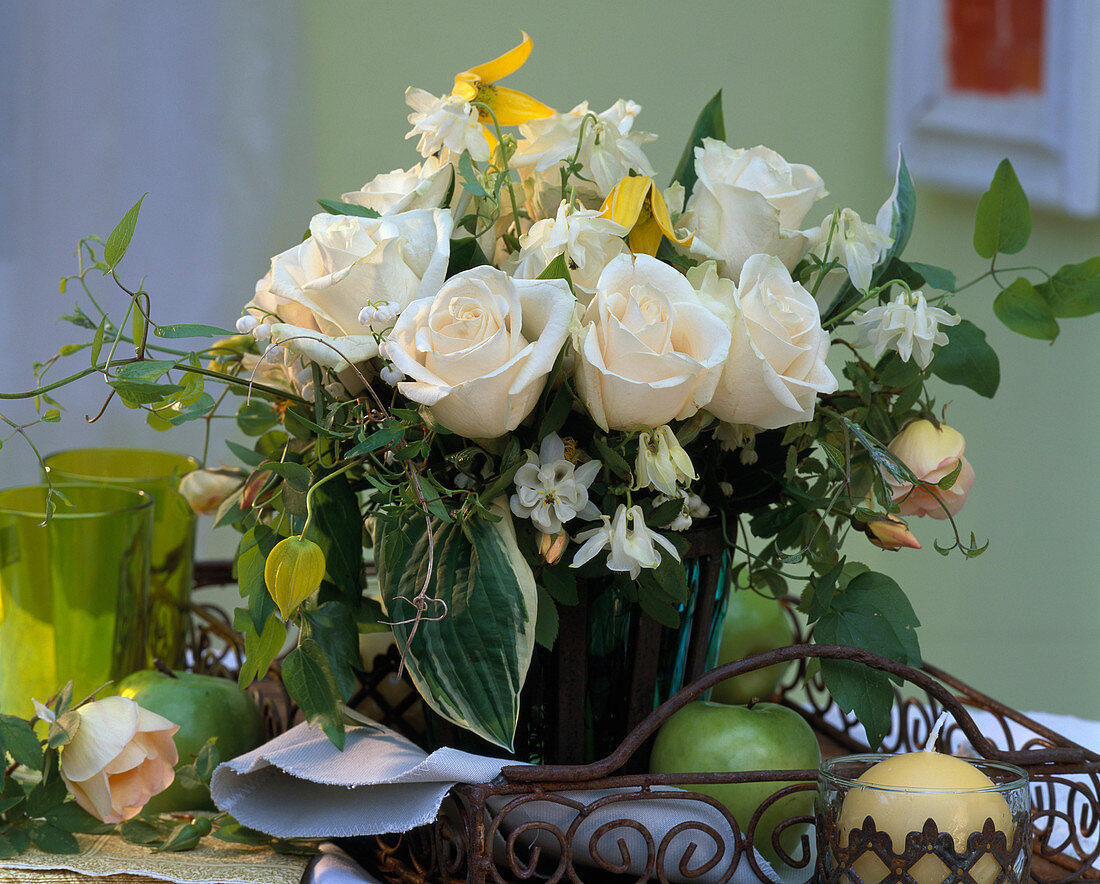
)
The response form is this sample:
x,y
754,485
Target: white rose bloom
x,y
647,350
311,300
662,463
630,540
610,150
448,122
424,186
857,245
747,202
907,324
776,366
550,491
479,351
587,241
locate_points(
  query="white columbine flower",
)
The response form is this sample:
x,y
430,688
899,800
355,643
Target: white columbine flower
x,y
447,122
907,324
857,245
588,242
662,463
610,149
550,491
630,540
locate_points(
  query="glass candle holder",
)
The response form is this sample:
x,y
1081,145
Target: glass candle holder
x,y
157,473
979,825
73,592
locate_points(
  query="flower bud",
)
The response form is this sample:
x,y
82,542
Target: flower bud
x,y
390,374
551,546
889,533
662,462
932,453
366,315
246,323
206,490
252,488
293,572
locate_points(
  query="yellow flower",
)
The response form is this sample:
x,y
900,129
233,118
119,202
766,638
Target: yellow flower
x,y
510,106
293,572
637,204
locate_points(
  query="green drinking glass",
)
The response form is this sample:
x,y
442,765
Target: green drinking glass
x,y
73,592
158,474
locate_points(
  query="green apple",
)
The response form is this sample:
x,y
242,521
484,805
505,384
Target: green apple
x,y
754,624
203,707
707,737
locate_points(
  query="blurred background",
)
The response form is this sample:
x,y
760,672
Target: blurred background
x,y
234,117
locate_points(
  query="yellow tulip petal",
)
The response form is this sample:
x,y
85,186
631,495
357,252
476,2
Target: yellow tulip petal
x,y
664,220
624,204
500,67
645,238
513,108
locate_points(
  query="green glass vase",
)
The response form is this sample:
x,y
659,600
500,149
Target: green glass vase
x,y
157,473
73,592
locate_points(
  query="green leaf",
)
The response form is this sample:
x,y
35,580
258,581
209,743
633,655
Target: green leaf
x,y
336,207
900,210
937,277
1003,220
872,613
546,620
611,458
465,254
865,691
310,681
709,124
7,848
558,268
469,175
119,240
207,759
388,435
296,475
138,831
561,582
190,330
334,629
71,817
18,738
97,340
256,417
52,839
337,528
148,370
468,660
234,833
966,359
247,455
819,596
1023,309
1074,290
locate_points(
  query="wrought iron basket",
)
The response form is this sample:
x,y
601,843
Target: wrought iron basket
x,y
596,823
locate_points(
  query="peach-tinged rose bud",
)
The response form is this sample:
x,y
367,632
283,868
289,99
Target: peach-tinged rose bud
x,y
932,453
206,490
551,546
890,533
120,756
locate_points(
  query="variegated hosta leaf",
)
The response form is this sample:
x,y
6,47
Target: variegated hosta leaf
x,y
470,664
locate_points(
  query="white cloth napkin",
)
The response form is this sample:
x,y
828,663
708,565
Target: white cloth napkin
x,y
299,785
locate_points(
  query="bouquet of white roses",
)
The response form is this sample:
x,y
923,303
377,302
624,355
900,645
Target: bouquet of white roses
x,y
521,361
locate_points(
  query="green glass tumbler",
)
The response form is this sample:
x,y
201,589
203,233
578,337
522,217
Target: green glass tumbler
x,y
157,473
73,592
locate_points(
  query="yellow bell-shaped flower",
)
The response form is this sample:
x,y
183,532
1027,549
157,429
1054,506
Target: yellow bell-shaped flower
x,y
293,572
510,106
637,204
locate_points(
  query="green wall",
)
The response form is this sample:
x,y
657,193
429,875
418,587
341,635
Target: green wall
x,y
1022,622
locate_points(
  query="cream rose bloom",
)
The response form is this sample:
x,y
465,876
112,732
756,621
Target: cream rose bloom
x,y
747,202
424,186
931,453
647,351
311,299
776,367
120,756
479,351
